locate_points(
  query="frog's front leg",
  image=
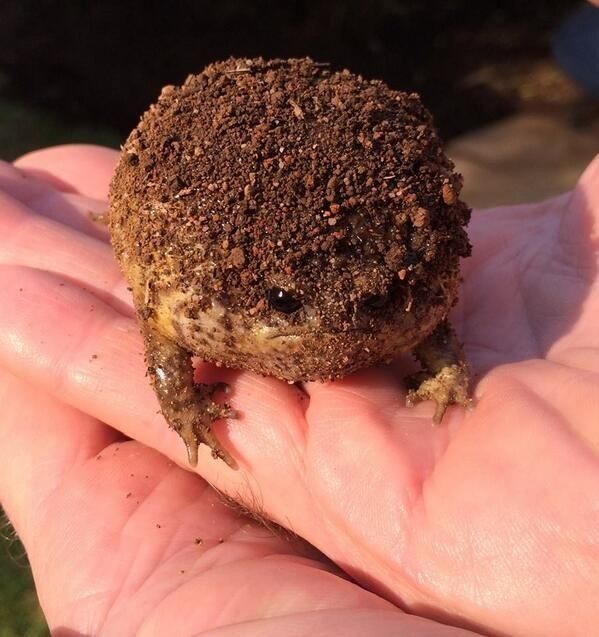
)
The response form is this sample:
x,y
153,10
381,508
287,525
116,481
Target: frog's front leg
x,y
187,406
445,376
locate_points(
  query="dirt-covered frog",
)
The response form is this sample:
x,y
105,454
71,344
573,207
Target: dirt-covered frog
x,y
283,218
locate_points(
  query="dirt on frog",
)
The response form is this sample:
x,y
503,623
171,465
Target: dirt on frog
x,y
248,145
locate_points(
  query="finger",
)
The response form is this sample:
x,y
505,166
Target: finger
x,y
548,297
41,440
38,242
329,623
588,189
576,256
82,168
65,348
381,387
81,213
20,186
94,361
571,390
338,412
75,211
376,396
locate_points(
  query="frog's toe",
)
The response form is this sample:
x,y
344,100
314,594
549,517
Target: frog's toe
x,y
204,434
200,432
449,386
197,428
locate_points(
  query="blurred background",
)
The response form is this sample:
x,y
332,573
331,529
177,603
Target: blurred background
x,y
513,87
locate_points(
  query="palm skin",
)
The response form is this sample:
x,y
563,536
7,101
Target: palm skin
x,y
489,521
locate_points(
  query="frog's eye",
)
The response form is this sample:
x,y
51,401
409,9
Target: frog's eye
x,y
283,300
376,301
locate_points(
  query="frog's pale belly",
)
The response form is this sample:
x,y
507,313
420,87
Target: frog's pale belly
x,y
299,353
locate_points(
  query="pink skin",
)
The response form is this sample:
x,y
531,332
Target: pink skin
x,y
489,522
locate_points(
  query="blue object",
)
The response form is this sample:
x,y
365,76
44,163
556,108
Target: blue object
x,y
576,48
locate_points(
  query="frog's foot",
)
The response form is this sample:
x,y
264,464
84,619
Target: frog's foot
x,y
449,386
445,376
188,407
194,424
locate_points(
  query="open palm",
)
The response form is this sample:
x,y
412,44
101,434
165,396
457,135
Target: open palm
x,y
490,521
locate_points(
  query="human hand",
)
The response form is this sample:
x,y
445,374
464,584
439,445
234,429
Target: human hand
x,y
489,520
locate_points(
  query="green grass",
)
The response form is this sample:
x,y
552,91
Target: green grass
x,y
23,128
20,614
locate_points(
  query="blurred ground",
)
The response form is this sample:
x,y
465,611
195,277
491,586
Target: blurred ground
x,y
539,151
517,128
523,159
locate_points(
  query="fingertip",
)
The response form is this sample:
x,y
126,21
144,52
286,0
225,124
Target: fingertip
x,y
586,196
83,168
589,179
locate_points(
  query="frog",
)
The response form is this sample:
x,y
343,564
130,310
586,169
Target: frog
x,y
301,223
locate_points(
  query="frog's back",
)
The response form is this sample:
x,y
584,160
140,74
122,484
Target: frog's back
x,y
255,166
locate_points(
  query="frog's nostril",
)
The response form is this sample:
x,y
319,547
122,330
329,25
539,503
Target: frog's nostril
x,y
310,313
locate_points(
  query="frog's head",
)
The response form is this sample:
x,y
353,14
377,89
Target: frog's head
x,y
316,311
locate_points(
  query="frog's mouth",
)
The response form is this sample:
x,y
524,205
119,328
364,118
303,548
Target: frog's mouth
x,y
313,332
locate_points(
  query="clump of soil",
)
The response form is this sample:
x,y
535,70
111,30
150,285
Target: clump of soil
x,y
280,169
